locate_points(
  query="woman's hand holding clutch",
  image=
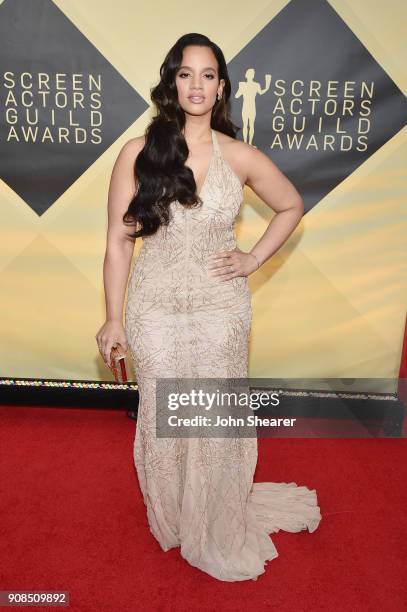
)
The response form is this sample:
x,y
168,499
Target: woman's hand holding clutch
x,y
110,334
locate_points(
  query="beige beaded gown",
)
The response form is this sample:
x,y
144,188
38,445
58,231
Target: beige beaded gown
x,y
182,322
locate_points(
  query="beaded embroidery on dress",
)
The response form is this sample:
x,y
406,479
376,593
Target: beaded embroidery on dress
x,y
182,322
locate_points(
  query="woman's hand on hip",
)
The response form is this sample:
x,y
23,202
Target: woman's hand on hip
x,y
229,264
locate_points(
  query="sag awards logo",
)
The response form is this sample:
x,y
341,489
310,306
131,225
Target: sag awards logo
x,y
62,103
313,98
294,105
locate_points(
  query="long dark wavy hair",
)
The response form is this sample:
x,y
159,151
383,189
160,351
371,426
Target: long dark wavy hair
x,y
159,169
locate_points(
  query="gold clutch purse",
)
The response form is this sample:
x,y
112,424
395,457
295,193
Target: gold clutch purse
x,y
118,363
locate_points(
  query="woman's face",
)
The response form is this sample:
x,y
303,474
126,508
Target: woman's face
x,y
197,80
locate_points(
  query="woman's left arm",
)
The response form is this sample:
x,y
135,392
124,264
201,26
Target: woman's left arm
x,y
279,193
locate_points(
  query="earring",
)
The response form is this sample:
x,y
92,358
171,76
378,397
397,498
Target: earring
x,y
219,95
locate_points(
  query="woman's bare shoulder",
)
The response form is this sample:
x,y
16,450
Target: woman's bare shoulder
x,y
134,145
128,153
233,146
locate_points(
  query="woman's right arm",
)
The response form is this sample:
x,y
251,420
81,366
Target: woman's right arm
x,y
119,248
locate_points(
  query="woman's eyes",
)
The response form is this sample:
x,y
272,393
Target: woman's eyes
x,y
187,73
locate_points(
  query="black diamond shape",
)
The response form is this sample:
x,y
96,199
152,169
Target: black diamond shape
x,y
38,38
310,41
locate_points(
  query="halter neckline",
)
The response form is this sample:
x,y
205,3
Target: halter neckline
x,y
215,141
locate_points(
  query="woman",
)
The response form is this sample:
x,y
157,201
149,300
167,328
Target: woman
x,y
188,312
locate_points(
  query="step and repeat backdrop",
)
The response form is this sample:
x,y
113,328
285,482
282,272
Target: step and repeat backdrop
x,y
318,86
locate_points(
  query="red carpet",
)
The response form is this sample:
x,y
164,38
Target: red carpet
x,y
72,518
